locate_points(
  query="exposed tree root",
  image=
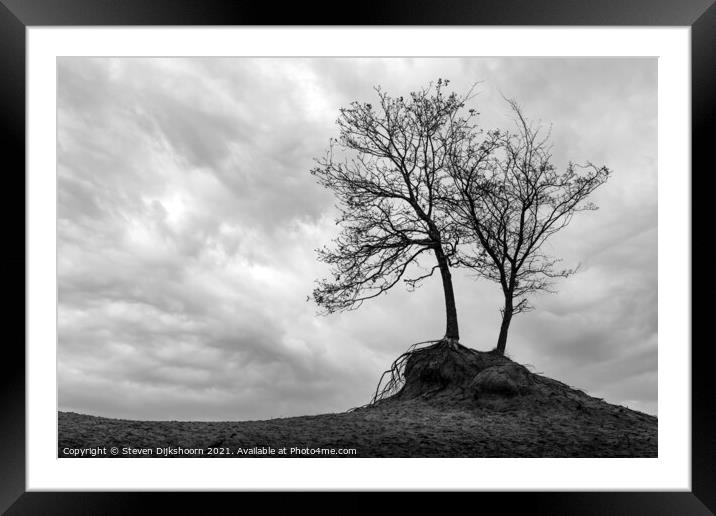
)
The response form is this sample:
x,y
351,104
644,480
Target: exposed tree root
x,y
396,373
446,370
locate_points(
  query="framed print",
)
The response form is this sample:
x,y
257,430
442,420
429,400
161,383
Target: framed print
x,y
427,249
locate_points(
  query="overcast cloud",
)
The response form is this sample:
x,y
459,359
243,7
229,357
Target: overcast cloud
x,y
187,223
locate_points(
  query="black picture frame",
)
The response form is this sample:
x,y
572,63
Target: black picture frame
x,y
17,15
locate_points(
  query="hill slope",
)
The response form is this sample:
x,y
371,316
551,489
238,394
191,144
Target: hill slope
x,y
452,401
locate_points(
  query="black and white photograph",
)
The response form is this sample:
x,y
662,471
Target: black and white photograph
x,y
286,257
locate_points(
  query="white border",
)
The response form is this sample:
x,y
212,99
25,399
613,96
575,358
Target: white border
x,y
671,471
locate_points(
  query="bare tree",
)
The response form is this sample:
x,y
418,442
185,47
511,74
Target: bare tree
x,y
509,198
387,169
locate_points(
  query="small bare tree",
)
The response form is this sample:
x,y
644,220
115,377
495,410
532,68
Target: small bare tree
x,y
509,199
387,169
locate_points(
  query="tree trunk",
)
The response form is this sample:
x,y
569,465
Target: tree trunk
x,y
451,329
506,318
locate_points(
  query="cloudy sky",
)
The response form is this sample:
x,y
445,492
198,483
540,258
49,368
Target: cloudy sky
x,y
187,223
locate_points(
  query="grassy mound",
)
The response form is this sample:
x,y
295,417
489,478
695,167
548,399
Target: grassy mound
x,y
450,373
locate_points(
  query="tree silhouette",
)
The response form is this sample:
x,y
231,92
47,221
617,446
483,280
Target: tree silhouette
x,y
387,169
509,199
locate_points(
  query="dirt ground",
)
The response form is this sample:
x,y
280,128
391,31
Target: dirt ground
x,y
454,402
407,429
